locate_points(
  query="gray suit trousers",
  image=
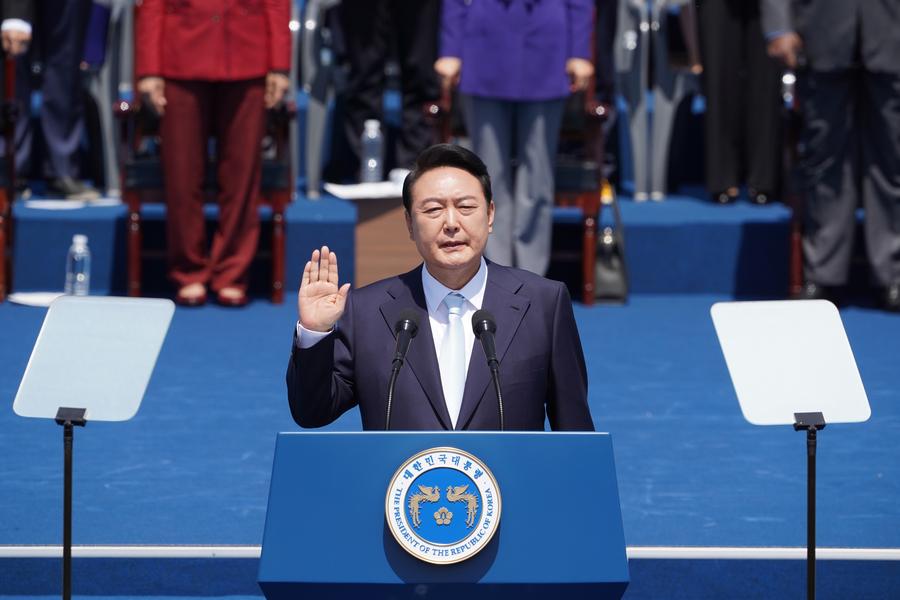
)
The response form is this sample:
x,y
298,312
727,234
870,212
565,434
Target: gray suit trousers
x,y
850,151
517,141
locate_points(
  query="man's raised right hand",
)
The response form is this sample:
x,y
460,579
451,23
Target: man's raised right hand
x,y
320,301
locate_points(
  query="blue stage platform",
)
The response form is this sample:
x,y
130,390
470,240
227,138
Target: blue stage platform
x,y
172,503
712,506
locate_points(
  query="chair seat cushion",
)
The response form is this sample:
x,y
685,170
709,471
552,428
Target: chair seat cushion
x,y
576,175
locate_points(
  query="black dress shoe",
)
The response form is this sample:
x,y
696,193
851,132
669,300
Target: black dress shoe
x,y
759,197
892,297
726,196
723,198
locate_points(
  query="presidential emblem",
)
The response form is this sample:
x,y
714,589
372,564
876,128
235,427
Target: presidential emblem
x,y
443,506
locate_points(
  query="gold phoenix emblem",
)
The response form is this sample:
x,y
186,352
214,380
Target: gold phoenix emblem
x,y
425,494
458,494
443,516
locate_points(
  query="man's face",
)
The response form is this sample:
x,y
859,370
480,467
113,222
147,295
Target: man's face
x,y
449,220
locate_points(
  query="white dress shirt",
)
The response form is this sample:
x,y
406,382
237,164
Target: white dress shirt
x,y
435,292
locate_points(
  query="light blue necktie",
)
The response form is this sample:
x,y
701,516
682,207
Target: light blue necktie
x,y
453,356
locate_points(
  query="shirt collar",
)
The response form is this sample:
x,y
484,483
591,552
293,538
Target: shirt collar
x,y
473,291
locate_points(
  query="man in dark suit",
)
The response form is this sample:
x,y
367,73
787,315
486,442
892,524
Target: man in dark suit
x,y
60,27
345,342
849,85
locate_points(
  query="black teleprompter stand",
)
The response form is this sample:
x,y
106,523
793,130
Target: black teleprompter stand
x,y
811,423
68,418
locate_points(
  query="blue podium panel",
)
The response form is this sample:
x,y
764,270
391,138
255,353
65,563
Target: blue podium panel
x,y
560,529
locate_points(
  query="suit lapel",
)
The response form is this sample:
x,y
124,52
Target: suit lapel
x,y
508,308
407,292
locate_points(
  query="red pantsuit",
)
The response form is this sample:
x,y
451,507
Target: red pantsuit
x,y
214,56
232,112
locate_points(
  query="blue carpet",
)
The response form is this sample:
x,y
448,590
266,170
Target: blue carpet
x,y
193,466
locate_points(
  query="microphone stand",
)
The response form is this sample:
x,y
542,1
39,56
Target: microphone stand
x,y
495,377
484,326
395,371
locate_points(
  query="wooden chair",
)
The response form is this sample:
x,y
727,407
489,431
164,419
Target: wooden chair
x,y
7,174
580,182
142,182
791,189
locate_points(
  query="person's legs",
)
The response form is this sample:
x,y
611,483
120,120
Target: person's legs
x,y
879,131
365,31
24,135
537,136
828,169
184,133
239,123
639,128
416,23
490,126
62,27
762,110
720,37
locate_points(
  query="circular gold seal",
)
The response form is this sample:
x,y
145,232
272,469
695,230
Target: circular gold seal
x,y
443,505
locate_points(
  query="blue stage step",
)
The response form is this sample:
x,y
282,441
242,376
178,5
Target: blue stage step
x,y
42,238
651,579
681,246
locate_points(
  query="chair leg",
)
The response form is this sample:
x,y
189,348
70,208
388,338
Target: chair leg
x,y
135,239
280,200
5,222
588,252
796,256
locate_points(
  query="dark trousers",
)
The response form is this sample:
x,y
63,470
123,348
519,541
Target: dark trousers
x,y
850,153
372,31
604,41
743,85
59,31
233,112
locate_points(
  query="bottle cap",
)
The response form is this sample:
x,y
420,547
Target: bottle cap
x,y
372,125
79,240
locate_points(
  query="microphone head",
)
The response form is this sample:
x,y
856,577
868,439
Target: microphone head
x,y
483,321
408,320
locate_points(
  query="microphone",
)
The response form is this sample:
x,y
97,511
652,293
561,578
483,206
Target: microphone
x,y
484,326
406,328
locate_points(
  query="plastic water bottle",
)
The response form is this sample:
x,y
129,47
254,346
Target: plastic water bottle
x,y
78,267
372,163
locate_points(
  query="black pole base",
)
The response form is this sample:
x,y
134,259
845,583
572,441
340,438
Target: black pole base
x,y
810,423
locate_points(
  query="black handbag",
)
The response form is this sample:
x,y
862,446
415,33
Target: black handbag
x,y
610,271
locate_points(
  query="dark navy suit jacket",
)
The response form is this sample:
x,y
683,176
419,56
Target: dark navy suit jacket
x,y
542,366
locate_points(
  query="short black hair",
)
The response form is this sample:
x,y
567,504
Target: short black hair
x,y
446,155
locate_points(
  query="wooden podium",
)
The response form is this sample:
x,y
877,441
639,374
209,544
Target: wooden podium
x,y
383,247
